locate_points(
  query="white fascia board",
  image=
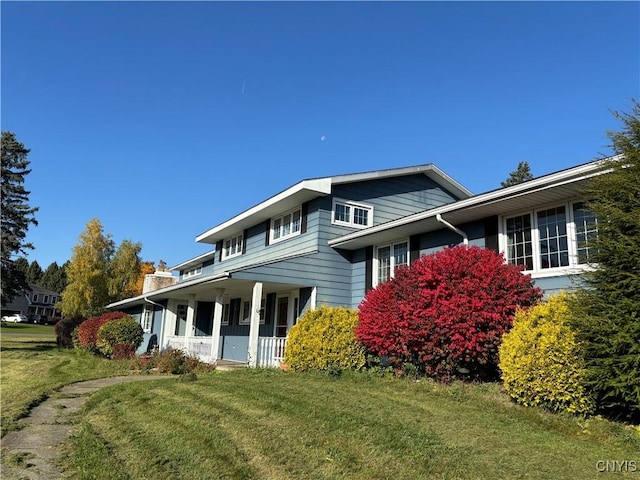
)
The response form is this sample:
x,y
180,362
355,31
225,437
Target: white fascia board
x,y
429,169
194,261
297,194
570,175
169,289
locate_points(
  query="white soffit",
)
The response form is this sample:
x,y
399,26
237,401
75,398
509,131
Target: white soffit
x,y
280,203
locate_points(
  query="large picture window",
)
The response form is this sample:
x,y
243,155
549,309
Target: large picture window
x,y
550,238
390,257
351,214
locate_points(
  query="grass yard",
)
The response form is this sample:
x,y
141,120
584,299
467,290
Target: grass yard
x,y
275,425
32,368
267,424
26,329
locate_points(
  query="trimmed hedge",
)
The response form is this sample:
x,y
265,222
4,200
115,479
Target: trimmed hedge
x,y
121,331
324,339
541,361
446,313
87,334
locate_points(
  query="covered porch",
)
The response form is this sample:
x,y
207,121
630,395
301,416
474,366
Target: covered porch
x,y
234,320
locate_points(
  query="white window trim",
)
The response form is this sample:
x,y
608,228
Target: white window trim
x,y
192,272
375,264
226,312
291,234
247,320
573,268
225,254
351,204
146,321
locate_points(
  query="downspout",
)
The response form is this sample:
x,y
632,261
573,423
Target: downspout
x,y
465,239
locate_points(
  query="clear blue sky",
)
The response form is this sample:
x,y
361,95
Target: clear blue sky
x,y
164,119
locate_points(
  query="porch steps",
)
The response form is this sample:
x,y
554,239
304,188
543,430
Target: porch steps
x,y
227,365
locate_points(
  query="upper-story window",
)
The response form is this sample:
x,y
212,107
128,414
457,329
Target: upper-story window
x,y
286,225
192,272
351,214
232,247
388,258
35,297
46,299
550,238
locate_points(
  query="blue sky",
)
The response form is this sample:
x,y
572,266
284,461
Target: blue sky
x,y
164,119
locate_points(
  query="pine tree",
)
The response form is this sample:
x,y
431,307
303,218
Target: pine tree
x,y
16,215
519,175
34,273
608,322
54,278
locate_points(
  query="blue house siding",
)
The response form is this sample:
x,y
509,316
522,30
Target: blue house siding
x,y
395,197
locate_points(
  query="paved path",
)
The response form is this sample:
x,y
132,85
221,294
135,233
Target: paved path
x,y
46,427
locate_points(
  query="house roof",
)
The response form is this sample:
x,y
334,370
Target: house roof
x,y
521,197
311,188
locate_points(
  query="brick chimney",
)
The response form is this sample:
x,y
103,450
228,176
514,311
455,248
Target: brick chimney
x,y
159,279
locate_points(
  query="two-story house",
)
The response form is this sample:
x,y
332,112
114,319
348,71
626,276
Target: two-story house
x,y
328,240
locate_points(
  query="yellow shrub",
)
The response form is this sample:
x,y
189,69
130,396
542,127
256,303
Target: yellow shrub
x,y
540,359
324,339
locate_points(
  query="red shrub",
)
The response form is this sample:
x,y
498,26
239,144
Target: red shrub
x,y
88,330
446,313
122,351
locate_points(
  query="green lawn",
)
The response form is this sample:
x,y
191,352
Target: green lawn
x,y
25,329
266,424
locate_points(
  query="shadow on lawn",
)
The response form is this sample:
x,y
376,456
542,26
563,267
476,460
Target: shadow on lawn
x,y
35,345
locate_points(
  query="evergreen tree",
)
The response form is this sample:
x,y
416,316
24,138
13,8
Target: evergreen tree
x,y
608,322
16,215
22,264
519,175
34,273
87,292
54,278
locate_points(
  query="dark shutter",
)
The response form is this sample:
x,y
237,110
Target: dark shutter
x,y
491,233
244,241
267,227
304,213
368,269
414,248
270,307
234,314
219,249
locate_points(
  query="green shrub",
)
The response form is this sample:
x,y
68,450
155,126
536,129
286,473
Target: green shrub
x,y
65,329
541,361
179,363
324,339
123,330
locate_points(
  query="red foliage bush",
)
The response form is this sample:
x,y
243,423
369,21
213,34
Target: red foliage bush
x,y
446,313
88,330
122,351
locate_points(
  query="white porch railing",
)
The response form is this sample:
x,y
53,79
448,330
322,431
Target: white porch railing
x,y
271,351
199,346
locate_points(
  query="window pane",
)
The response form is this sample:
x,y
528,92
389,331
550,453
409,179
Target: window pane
x,y
552,228
400,255
277,223
296,221
343,213
384,264
360,216
519,241
586,232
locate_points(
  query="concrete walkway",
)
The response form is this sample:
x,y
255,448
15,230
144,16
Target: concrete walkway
x,y
32,450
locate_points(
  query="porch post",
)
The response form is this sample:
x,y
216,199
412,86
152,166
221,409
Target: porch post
x,y
255,324
217,321
170,320
189,330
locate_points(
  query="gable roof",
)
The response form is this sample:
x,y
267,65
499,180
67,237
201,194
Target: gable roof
x,y
524,196
316,187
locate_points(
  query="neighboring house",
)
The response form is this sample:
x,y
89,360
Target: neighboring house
x,y
329,240
39,301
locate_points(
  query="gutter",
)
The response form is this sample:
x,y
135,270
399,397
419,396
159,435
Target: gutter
x,y
465,239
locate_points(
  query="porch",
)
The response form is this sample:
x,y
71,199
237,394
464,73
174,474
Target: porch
x,y
270,349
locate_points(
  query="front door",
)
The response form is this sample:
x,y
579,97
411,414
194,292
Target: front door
x,y
282,316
